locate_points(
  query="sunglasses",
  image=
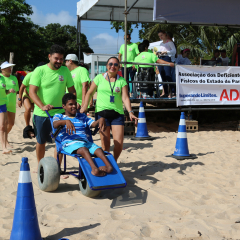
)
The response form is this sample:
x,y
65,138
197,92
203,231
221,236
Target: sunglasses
x,y
115,64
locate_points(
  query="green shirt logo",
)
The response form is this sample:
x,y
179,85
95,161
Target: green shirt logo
x,y
61,78
117,89
4,85
13,83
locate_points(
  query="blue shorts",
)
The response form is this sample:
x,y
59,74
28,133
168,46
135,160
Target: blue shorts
x,y
42,129
3,108
75,145
112,121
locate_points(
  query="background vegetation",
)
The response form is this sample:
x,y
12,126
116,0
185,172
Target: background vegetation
x,y
30,42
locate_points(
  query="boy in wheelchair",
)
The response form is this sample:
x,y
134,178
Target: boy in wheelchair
x,y
73,135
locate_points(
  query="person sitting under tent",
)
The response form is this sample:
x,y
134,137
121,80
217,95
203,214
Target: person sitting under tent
x,y
217,58
183,59
74,136
146,72
225,59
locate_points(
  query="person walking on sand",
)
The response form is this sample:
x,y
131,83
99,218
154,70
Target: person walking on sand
x,y
112,92
24,98
47,87
3,107
11,82
80,77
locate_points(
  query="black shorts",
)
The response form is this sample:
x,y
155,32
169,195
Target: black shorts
x,y
112,121
42,129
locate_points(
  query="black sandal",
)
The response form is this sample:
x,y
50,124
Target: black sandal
x,y
27,132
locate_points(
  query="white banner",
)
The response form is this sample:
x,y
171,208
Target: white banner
x,y
205,85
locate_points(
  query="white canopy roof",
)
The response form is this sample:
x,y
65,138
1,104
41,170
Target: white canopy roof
x,y
112,10
204,12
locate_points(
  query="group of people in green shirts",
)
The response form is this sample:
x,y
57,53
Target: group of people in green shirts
x,y
141,54
48,83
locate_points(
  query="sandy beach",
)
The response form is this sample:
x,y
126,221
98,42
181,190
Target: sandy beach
x,y
164,198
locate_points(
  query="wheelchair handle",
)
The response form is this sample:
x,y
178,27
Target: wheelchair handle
x,y
52,109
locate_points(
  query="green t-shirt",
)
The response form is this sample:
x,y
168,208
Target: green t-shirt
x,y
51,87
104,92
80,75
145,57
26,81
132,52
150,51
11,82
3,95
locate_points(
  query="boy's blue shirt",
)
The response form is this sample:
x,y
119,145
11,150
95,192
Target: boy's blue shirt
x,y
80,122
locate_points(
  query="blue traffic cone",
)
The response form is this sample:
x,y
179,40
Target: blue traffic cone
x,y
142,132
25,221
181,150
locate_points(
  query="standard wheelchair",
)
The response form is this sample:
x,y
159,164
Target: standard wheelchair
x,y
49,170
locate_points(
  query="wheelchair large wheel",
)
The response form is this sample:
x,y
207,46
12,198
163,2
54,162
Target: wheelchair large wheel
x,y
48,174
86,190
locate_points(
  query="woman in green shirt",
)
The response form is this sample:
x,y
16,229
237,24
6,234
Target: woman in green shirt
x,y
112,92
5,68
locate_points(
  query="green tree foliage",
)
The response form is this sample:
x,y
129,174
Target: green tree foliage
x,y
121,26
18,33
29,42
65,36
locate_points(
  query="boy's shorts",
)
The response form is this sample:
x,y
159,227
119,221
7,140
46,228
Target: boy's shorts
x,y
76,144
3,108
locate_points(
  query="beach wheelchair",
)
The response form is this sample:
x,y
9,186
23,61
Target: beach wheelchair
x,y
49,170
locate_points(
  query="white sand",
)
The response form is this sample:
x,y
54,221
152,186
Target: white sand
x,y
164,199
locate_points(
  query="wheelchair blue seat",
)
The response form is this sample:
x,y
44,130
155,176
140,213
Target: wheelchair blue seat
x,y
111,180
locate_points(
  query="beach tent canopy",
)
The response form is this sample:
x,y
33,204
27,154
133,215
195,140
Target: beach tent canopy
x,y
204,12
112,10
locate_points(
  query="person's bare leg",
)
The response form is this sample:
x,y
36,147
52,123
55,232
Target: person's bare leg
x,y
27,113
163,93
40,151
60,157
118,134
10,123
84,152
108,167
3,132
105,139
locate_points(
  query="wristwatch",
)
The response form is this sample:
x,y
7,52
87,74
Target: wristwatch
x,y
131,112
19,99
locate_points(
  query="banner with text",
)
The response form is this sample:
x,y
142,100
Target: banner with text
x,y
205,85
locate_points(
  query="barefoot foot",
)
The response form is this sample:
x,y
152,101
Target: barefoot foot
x,y
9,145
6,151
64,176
97,172
106,169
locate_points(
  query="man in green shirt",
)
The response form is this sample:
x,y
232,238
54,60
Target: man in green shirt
x,y
146,72
80,77
48,84
132,52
